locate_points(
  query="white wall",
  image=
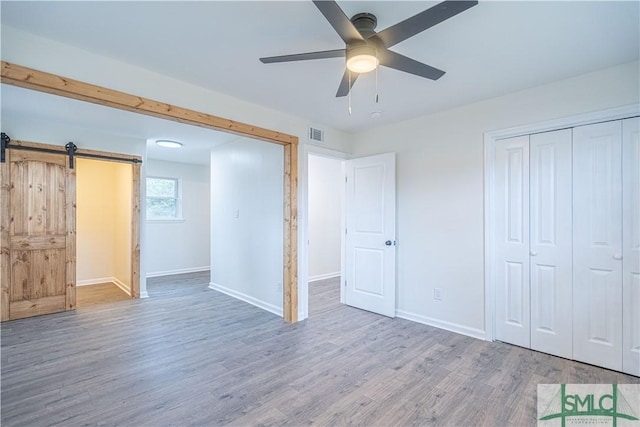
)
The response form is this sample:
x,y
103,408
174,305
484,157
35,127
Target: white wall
x,y
326,183
440,188
103,222
247,217
181,246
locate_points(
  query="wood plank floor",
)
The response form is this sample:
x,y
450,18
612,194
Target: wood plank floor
x,y
103,293
189,356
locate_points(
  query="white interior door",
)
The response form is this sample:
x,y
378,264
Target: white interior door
x,y
370,234
631,245
597,237
511,266
550,242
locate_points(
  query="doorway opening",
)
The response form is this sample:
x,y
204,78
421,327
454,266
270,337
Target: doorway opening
x,y
178,226
103,224
61,86
325,207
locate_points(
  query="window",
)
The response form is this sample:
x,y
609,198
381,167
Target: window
x,y
163,199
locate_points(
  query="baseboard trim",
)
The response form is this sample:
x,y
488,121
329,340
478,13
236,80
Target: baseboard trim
x,y
144,294
448,326
319,277
122,286
96,281
246,298
178,271
101,280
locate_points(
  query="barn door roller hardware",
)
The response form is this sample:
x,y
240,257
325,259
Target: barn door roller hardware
x,y
3,148
70,148
71,151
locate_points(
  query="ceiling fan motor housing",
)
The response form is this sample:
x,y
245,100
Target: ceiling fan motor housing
x,y
365,23
362,55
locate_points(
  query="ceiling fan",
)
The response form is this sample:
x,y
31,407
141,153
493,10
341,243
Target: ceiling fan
x,y
366,49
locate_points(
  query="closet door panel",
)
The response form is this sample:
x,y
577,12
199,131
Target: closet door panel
x,y
511,267
597,238
631,245
551,242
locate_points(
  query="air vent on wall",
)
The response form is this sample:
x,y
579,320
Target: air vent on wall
x,y
316,135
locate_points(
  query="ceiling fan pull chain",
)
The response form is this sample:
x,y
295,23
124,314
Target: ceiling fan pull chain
x,y
377,76
349,71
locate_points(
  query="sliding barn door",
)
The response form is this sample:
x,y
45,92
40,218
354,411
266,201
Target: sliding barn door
x,y
38,234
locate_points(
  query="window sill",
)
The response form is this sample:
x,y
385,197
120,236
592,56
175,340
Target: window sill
x,y
163,221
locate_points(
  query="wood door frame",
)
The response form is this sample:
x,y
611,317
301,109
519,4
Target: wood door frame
x,y
490,139
5,221
41,81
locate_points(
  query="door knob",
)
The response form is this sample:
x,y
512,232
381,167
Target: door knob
x,y
388,243
533,253
617,257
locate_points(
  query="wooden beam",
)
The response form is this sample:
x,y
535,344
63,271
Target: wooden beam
x,y
290,303
41,81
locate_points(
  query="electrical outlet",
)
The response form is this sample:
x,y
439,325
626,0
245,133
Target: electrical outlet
x,y
437,294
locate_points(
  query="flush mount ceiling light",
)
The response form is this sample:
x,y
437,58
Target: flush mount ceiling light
x,y
362,59
168,143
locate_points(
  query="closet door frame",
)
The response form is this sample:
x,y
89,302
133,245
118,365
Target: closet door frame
x,y
490,139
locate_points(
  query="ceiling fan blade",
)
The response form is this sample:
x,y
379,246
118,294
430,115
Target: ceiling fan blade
x,y
423,20
402,63
338,20
336,53
344,88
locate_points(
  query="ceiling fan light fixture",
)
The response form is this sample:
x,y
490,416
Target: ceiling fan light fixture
x,y
362,59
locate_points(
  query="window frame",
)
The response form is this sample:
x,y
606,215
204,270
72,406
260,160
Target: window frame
x,y
177,197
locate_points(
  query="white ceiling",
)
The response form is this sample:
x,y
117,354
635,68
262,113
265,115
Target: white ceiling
x,y
494,48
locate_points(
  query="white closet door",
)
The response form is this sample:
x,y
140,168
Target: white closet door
x,y
550,242
511,267
597,237
631,245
